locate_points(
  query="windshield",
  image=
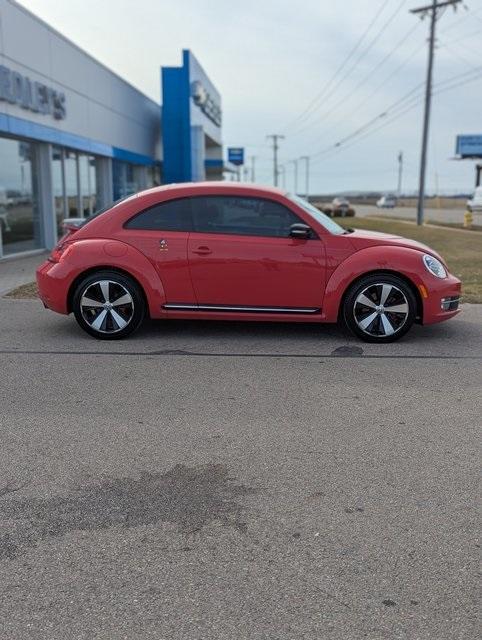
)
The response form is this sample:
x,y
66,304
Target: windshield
x,y
329,224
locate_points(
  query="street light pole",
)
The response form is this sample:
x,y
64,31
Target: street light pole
x,y
400,171
282,173
295,164
307,176
253,173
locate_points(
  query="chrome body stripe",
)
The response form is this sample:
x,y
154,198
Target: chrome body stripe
x,y
244,309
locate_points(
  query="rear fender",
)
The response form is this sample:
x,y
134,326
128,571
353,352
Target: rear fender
x,y
113,254
398,260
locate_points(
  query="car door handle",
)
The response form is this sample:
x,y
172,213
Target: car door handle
x,y
202,251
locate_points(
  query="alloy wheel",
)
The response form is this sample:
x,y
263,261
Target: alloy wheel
x,y
106,306
381,310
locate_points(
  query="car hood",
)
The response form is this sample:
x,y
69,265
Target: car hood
x,y
362,239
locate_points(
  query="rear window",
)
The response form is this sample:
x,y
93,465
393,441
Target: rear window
x,y
172,215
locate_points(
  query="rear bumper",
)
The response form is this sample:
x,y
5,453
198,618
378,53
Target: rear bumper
x,y
442,301
52,286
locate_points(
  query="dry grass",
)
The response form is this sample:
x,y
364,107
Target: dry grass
x,y
461,249
24,292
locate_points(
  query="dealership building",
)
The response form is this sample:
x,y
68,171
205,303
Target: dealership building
x,y
74,136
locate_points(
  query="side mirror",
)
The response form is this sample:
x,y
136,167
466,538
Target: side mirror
x,y
300,231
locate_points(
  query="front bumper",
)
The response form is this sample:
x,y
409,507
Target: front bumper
x,y
441,299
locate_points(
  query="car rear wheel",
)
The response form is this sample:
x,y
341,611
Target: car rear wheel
x,y
108,305
379,308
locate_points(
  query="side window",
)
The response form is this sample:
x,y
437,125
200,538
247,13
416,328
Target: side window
x,y
242,216
173,215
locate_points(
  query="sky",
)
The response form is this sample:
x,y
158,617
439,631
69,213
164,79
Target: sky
x,y
315,71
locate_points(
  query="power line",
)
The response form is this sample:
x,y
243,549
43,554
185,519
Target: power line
x,y
380,85
360,84
470,13
384,82
457,54
353,66
406,104
465,36
400,115
396,105
320,94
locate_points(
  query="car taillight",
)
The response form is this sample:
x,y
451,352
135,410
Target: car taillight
x,y
59,252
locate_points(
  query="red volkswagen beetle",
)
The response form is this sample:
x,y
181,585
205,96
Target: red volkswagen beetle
x,y
226,251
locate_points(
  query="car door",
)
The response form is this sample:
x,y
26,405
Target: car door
x,y
241,255
161,233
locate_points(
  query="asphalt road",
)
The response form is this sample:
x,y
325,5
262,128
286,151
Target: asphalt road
x,y
237,481
410,213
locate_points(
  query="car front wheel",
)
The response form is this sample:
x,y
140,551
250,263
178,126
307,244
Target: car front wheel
x,y
379,308
108,305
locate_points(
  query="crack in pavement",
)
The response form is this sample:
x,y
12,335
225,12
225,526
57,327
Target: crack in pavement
x,y
337,353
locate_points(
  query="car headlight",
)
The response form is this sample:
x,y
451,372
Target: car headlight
x,y
435,267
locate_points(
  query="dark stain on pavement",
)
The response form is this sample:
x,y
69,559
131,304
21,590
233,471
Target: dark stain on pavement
x,y
348,352
190,498
389,603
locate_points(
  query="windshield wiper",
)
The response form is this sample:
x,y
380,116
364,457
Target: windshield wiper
x,y
349,230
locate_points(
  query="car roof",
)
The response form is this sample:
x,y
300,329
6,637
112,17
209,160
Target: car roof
x,y
190,188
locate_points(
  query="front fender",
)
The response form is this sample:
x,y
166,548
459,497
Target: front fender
x,y
402,260
85,255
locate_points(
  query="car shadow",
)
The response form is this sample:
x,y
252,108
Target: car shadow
x,y
203,330
217,329
200,333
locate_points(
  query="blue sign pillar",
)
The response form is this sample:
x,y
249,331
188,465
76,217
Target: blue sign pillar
x,y
191,122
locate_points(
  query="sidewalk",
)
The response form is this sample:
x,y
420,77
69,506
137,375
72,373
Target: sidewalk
x,y
18,271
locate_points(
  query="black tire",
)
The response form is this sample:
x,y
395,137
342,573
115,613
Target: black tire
x,y
111,319
366,308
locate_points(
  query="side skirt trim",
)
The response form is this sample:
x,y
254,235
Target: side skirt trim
x,y
238,308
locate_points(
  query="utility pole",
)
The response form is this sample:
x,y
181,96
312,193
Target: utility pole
x,y
400,171
307,160
275,137
433,11
295,164
253,173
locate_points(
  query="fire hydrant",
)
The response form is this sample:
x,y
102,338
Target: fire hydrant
x,y
468,219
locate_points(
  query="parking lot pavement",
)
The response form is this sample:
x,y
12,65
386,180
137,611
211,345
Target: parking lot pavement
x,y
237,481
410,213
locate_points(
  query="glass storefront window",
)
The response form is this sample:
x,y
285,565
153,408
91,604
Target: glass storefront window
x,y
153,176
126,179
88,187
60,201
71,184
74,178
19,211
